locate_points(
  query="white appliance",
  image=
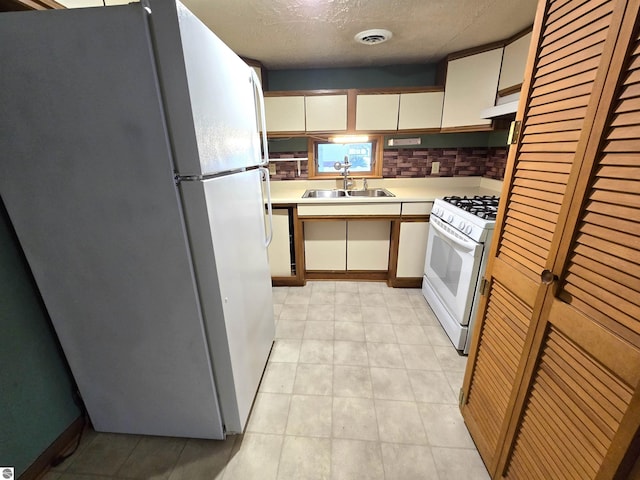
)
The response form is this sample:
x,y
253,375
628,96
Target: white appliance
x,y
457,250
131,171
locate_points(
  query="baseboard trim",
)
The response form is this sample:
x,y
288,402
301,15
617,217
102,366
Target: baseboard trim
x,y
346,275
287,282
58,447
406,282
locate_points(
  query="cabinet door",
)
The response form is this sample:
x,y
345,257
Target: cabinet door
x,y
279,249
285,114
420,110
377,112
412,248
326,113
325,245
471,85
551,387
514,62
368,245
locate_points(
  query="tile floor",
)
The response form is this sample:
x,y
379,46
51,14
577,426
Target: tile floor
x,y
362,383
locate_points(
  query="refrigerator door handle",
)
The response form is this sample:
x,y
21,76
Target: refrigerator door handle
x,y
263,122
269,236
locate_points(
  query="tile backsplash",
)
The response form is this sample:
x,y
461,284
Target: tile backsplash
x,y
415,163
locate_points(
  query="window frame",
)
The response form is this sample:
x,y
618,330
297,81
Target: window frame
x,y
376,167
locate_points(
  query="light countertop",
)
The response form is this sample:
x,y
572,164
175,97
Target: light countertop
x,y
404,189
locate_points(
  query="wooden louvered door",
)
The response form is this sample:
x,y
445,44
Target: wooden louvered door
x,y
580,413
570,43
542,391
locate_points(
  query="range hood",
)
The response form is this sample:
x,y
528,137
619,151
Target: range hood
x,y
505,106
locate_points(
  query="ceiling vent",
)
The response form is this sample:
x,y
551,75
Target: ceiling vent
x,y
373,37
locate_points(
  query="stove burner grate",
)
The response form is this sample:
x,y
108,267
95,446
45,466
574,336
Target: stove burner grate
x,y
483,206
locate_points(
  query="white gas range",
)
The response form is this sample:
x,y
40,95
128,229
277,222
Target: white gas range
x,y
460,234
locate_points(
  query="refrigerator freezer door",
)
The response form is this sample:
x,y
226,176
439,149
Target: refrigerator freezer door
x,y
225,215
208,86
87,181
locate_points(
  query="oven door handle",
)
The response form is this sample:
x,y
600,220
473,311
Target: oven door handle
x,y
466,244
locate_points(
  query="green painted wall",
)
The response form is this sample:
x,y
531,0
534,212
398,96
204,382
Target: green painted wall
x,y
362,77
294,144
36,404
446,140
496,138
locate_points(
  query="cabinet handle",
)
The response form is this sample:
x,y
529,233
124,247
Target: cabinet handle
x,y
547,277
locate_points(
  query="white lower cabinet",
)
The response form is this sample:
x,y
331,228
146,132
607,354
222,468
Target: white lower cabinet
x,y
368,245
325,245
279,249
347,245
412,248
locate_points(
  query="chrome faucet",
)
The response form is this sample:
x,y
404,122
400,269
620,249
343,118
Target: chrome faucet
x,y
364,184
344,166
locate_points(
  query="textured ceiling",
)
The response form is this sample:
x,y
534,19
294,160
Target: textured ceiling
x,y
319,33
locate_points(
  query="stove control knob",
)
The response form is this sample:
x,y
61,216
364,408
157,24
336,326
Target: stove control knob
x,y
436,211
450,219
468,229
461,226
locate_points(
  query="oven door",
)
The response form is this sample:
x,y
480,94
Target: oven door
x,y
451,268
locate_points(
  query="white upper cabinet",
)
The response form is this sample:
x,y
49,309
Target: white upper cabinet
x,y
420,110
377,112
471,86
285,114
514,62
326,113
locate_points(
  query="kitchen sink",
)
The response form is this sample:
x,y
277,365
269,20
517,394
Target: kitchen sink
x,y
324,194
371,192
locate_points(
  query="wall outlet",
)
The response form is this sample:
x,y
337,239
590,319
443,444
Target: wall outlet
x,y
272,169
435,168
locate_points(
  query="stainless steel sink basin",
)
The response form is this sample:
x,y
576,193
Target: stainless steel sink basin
x,y
371,192
324,194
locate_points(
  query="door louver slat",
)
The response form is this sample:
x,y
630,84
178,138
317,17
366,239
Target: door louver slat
x,y
565,414
561,86
601,273
564,14
494,374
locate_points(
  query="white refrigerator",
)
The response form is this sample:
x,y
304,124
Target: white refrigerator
x,y
131,171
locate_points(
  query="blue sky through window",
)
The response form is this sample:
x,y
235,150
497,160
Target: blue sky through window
x,y
359,156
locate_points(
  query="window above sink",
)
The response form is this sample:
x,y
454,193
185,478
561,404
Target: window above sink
x,y
365,157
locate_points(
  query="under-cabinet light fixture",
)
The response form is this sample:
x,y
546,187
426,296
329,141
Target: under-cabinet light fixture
x,y
349,139
400,142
